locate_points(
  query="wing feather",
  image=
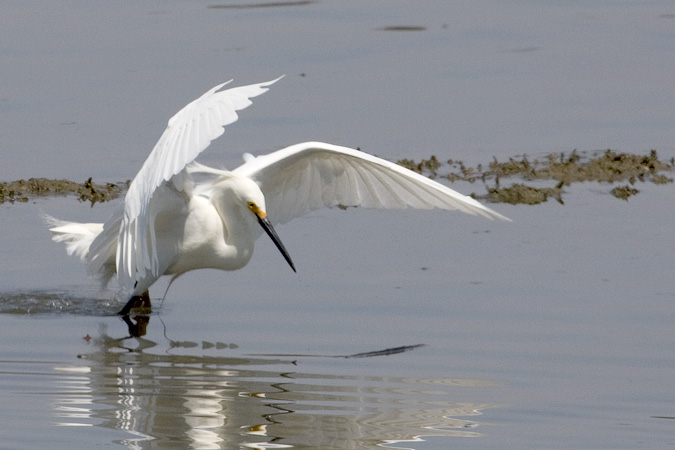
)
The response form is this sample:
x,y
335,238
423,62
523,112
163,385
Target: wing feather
x,y
312,175
188,133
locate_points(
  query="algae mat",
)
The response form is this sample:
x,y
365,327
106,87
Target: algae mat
x,y
623,171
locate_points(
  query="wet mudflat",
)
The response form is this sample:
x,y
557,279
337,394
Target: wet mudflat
x,y
608,167
23,190
554,330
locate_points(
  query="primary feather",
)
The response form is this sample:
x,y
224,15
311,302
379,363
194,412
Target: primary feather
x,y
312,175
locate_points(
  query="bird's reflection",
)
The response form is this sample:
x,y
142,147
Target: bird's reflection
x,y
137,325
164,395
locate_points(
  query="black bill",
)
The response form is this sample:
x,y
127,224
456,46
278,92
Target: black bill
x,y
269,229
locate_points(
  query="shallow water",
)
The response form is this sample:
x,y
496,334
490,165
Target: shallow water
x,y
554,330
155,392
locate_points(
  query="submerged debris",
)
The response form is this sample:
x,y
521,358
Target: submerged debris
x,y
521,194
428,166
22,190
623,192
601,167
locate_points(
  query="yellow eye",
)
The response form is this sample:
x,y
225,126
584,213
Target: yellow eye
x,y
251,206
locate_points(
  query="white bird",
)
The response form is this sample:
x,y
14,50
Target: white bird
x,y
170,224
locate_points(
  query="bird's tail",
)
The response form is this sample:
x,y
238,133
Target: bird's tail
x,y
76,236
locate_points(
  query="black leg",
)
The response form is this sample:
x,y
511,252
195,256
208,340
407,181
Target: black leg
x,y
137,301
139,328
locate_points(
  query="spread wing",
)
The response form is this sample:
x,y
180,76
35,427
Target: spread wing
x,y
188,133
312,175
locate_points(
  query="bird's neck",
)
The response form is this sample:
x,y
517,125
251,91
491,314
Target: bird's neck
x,y
238,236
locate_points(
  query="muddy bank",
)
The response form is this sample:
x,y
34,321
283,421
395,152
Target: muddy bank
x,y
23,190
534,181
622,171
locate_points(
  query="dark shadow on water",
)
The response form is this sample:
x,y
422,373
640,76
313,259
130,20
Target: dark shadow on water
x,y
370,354
56,302
262,4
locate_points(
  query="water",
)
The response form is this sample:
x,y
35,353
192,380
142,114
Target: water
x,y
551,331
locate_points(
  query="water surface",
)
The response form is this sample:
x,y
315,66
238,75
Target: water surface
x,y
554,330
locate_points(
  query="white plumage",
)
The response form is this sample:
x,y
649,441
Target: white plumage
x,y
169,224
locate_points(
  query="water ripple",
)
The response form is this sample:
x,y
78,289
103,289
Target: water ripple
x,y
211,401
55,302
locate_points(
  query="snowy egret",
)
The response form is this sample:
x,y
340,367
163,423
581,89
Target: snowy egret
x,y
170,224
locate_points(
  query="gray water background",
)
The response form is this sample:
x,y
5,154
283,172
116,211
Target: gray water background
x,y
553,331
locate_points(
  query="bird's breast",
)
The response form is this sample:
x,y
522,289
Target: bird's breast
x,y
208,242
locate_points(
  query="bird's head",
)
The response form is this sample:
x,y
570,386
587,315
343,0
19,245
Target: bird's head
x,y
266,225
247,193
